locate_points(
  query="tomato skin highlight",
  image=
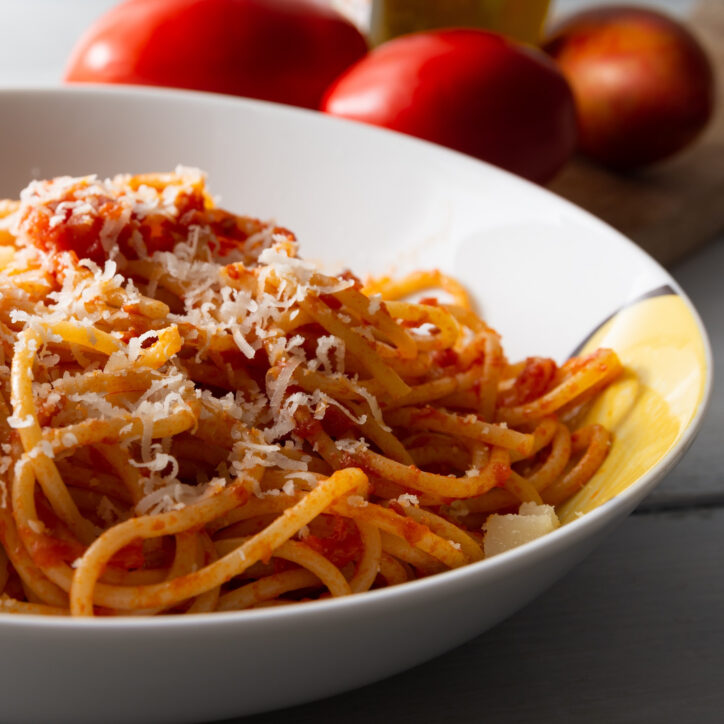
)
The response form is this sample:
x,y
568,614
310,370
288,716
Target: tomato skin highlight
x,y
470,90
286,51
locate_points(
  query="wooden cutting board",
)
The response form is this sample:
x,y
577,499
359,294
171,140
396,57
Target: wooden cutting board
x,y
675,207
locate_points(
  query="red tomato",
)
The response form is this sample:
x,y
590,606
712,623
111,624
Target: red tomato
x,y
470,90
643,84
286,51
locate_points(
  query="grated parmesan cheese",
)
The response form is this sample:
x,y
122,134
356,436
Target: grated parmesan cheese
x,y
357,501
20,422
69,440
215,308
407,499
36,526
503,532
351,445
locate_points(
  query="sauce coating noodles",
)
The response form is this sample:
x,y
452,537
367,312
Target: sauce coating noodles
x,y
194,419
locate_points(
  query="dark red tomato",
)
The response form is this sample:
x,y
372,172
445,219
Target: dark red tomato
x,y
644,86
470,90
286,51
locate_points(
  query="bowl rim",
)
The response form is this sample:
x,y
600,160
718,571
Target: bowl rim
x,y
504,564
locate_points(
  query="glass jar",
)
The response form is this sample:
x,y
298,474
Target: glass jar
x,y
519,19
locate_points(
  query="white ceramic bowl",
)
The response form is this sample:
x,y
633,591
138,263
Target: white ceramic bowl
x,y
545,273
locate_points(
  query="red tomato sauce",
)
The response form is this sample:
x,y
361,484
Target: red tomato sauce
x,y
48,552
129,557
532,382
341,546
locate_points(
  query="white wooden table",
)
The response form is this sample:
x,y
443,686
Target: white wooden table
x,y
634,634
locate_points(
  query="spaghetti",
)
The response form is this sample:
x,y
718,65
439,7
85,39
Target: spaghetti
x,y
194,419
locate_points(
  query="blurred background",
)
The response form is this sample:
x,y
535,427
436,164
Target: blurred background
x,y
669,204
44,31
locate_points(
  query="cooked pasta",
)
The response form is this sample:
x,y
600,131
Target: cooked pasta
x,y
194,419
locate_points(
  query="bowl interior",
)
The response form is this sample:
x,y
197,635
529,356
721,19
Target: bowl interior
x,y
552,279
544,273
